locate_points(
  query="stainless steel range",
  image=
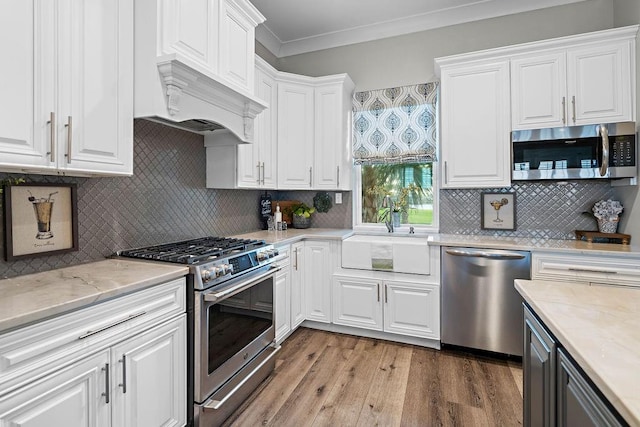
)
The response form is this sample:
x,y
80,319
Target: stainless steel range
x,y
231,319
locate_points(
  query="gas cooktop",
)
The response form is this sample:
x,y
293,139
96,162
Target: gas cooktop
x,y
195,251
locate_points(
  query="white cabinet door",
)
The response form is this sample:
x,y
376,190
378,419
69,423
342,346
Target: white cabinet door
x,y
237,40
356,302
331,136
295,135
600,83
150,377
76,396
27,41
475,109
412,309
257,162
282,296
297,285
317,280
539,91
95,122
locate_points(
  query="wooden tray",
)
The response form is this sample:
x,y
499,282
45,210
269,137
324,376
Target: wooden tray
x,y
589,236
285,205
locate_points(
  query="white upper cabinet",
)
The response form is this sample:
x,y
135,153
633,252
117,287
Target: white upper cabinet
x,y
295,135
257,162
314,132
539,91
332,144
69,107
589,81
217,36
475,132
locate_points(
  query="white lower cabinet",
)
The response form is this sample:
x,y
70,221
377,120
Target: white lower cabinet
x,y
297,288
150,377
118,363
282,298
408,308
317,270
73,396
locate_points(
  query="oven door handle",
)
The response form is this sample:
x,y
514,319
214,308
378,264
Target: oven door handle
x,y
226,293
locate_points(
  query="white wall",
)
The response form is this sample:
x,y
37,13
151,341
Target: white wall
x,y
627,12
408,59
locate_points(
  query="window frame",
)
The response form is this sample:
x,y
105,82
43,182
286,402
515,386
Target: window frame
x,y
376,228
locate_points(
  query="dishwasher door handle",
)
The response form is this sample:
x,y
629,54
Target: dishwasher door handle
x,y
481,254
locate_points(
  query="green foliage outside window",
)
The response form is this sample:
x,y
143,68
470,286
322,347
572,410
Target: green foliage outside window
x,y
408,185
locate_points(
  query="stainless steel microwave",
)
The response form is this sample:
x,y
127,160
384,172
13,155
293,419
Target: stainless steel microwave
x,y
576,152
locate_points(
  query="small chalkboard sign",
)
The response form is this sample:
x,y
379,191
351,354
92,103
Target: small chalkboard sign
x,y
265,209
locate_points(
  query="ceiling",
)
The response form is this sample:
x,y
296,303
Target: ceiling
x,y
299,26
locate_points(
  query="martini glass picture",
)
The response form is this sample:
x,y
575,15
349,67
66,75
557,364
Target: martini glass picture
x,y
43,208
497,204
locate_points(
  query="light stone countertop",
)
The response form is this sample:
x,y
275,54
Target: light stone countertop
x,y
292,235
538,245
600,328
33,297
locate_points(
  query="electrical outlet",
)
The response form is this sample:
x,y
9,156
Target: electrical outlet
x,y
338,198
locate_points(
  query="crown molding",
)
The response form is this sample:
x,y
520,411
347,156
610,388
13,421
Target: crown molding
x,y
442,18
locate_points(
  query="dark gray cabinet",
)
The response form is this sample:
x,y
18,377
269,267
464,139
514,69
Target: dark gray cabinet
x,y
578,402
556,391
538,373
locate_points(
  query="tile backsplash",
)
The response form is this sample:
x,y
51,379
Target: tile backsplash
x,y
545,210
165,200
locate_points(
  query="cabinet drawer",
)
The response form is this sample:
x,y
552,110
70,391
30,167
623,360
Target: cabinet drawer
x,y
587,268
35,350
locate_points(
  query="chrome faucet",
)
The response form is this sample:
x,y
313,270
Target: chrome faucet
x,y
387,203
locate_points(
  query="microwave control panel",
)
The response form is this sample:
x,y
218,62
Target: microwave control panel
x,y
622,151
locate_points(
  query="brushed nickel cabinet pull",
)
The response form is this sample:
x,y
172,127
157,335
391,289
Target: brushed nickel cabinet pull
x,y
97,331
258,166
573,106
262,173
124,374
52,129
338,176
106,382
564,111
69,138
310,172
296,264
445,171
378,287
386,294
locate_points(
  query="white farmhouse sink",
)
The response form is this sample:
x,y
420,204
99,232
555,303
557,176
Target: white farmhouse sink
x,y
386,253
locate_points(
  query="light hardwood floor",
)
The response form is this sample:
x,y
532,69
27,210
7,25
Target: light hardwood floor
x,y
327,379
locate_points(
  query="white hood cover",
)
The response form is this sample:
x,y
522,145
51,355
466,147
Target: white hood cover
x,y
201,103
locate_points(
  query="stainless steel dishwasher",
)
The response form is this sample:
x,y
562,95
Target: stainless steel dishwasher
x,y
481,308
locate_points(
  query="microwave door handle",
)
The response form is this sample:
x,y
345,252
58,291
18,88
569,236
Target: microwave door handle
x,y
604,134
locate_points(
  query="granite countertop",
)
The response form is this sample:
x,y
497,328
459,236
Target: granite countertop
x,y
538,245
600,328
34,297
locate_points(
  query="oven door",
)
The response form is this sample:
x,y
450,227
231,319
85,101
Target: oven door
x,y
233,323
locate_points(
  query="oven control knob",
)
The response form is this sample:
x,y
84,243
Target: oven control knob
x,y
206,275
262,255
226,269
218,271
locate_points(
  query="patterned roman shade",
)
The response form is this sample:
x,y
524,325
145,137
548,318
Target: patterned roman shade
x,y
396,125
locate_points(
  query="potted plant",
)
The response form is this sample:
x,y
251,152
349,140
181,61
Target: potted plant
x,y
301,215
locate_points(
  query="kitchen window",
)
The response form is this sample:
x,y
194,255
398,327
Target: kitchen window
x,y
394,150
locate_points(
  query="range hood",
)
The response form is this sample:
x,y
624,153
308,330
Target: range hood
x,y
194,66
196,101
